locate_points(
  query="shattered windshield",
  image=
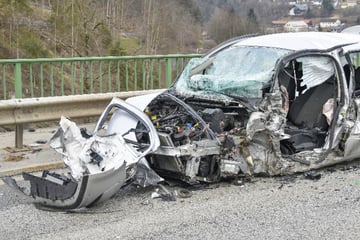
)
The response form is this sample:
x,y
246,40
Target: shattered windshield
x,y
238,72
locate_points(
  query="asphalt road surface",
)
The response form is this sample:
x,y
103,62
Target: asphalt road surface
x,y
266,208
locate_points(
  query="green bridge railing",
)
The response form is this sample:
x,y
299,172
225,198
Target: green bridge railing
x,y
24,78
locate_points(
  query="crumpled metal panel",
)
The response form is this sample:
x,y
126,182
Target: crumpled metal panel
x,y
100,164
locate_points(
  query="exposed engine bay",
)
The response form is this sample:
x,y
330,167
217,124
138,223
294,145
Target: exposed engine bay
x,y
198,145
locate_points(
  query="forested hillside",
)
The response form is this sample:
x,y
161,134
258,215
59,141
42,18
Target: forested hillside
x,y
62,28
69,28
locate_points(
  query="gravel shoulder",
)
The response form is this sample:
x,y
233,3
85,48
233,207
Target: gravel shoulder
x,y
266,208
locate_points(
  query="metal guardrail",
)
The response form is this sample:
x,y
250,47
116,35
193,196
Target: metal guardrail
x,y
20,111
30,78
34,86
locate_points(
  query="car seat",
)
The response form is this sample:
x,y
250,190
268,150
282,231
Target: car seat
x,y
306,109
357,79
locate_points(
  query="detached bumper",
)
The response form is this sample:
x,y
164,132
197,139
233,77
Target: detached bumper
x,y
57,191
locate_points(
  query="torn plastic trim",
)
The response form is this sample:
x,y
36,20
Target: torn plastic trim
x,y
89,190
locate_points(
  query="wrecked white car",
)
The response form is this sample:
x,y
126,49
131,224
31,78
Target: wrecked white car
x,y
271,105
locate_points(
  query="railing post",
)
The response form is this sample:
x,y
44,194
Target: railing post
x,y
168,72
19,128
18,80
19,133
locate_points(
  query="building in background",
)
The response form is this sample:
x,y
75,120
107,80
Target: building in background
x,y
296,26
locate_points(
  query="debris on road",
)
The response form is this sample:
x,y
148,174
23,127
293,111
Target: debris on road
x,y
15,158
312,175
163,193
18,150
183,193
31,129
41,141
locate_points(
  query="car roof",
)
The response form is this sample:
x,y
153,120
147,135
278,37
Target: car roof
x,y
352,29
302,40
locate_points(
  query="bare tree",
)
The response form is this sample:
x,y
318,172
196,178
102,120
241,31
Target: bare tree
x,y
225,24
86,33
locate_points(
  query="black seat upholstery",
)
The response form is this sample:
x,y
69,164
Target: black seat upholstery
x,y
347,71
357,78
306,109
